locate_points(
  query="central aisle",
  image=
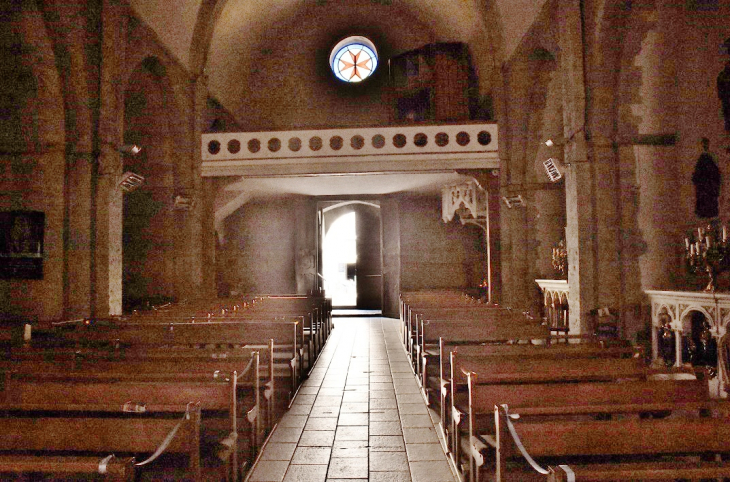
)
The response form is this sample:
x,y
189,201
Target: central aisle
x,y
359,416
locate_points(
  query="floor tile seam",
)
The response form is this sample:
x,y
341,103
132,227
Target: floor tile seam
x,y
329,362
349,363
401,353
400,419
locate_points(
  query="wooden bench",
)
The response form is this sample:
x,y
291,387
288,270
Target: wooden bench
x,y
73,432
506,330
468,374
287,338
109,468
636,449
439,382
473,315
409,301
145,387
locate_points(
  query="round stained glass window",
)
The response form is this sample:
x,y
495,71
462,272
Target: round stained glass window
x,y
354,59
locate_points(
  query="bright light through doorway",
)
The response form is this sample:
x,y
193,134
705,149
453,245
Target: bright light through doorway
x,y
338,252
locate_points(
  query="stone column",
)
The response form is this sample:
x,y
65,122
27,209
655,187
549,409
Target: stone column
x,y
202,214
109,198
579,185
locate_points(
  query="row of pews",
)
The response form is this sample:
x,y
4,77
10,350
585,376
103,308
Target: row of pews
x,y
517,403
185,391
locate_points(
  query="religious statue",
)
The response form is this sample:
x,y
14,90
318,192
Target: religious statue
x,y
707,181
723,89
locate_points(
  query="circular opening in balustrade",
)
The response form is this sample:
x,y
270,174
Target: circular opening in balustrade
x,y
484,138
442,139
336,143
399,140
420,139
315,143
274,144
214,147
378,141
254,145
357,142
234,145
462,138
295,144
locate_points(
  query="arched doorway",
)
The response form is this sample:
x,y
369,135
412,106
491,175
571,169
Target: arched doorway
x,y
149,250
351,253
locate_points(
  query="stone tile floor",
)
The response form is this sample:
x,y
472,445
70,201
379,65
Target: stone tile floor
x,y
359,416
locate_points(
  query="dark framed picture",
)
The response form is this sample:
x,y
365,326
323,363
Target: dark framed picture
x,y
21,244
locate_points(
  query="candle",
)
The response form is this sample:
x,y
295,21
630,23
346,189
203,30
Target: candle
x,y
686,242
707,241
26,332
724,233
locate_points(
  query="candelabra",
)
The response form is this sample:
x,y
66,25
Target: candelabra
x,y
707,249
560,258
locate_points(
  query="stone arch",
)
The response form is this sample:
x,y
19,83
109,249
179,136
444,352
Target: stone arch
x,y
32,93
152,233
32,139
208,15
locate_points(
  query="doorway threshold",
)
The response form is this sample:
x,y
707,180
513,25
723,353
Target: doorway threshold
x,y
353,312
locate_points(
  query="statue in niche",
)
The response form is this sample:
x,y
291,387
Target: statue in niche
x,y
707,180
723,88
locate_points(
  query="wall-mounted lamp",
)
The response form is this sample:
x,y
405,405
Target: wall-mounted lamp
x,y
130,181
513,201
552,170
131,149
561,141
182,203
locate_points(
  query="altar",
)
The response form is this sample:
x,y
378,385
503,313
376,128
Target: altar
x,y
680,336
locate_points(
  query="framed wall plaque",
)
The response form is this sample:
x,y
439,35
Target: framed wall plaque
x,y
21,244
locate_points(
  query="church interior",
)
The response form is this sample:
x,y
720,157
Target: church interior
x,y
552,166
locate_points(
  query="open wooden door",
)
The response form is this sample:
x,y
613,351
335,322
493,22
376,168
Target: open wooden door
x,y
369,274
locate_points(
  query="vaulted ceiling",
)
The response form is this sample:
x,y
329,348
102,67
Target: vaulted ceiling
x,y
232,41
266,62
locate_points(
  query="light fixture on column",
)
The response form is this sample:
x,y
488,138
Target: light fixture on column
x,y
131,149
182,203
130,181
513,201
552,169
560,140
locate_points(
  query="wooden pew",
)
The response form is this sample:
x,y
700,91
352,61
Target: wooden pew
x,y
506,330
256,372
579,401
501,373
411,300
287,337
440,382
298,309
489,315
110,468
69,432
666,449
145,387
